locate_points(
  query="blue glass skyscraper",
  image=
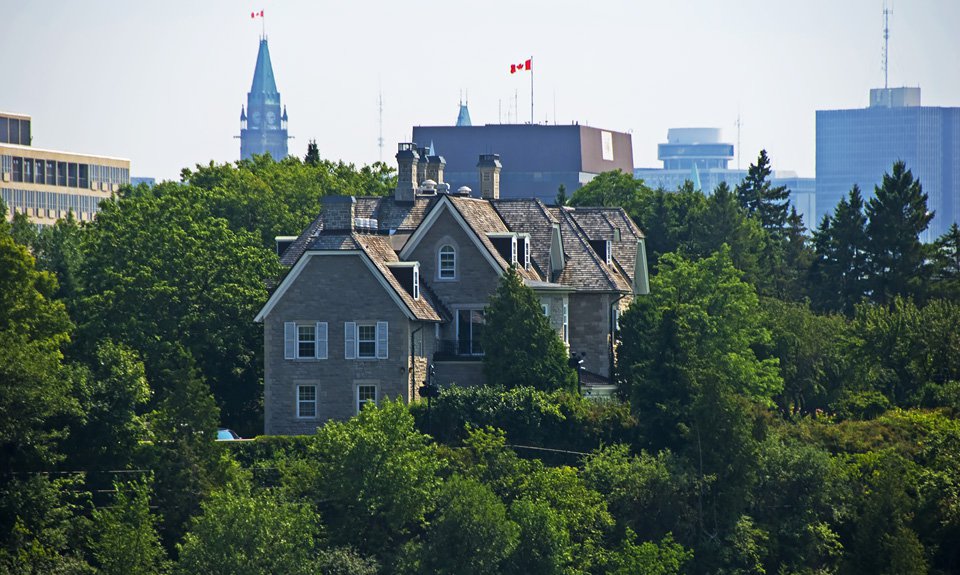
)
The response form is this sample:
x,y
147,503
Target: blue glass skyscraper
x,y
858,146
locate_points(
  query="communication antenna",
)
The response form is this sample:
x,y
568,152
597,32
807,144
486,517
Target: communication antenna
x,y
886,42
380,138
738,140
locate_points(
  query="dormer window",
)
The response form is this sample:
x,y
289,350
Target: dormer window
x,y
416,282
603,249
447,263
526,252
513,250
609,256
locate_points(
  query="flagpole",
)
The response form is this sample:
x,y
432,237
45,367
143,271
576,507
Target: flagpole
x,y
531,90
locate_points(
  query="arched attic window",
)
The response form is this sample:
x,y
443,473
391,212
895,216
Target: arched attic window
x,y
447,263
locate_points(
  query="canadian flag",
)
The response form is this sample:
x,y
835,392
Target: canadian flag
x,y
255,14
514,68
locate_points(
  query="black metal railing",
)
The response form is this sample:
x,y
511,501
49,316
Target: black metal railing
x,y
451,349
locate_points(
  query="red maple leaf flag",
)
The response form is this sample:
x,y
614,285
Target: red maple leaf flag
x,y
514,68
255,14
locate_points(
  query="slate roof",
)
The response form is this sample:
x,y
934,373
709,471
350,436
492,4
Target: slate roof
x,y
584,268
483,219
400,217
602,223
532,217
381,252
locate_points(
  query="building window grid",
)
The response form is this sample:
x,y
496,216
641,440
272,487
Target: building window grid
x,y
306,341
366,395
447,264
366,341
306,401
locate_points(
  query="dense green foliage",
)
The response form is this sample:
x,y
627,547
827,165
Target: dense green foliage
x,y
520,348
790,403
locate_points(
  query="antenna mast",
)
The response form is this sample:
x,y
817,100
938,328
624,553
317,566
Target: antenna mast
x,y
886,42
738,140
380,138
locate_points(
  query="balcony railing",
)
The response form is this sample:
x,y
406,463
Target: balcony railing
x,y
451,349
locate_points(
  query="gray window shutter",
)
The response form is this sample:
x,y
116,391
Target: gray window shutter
x,y
350,340
321,340
382,340
289,340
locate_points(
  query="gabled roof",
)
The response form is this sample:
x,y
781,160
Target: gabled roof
x,y
584,268
263,81
391,216
602,224
532,217
376,252
484,220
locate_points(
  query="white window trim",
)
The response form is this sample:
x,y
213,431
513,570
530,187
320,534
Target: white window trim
x,y
513,250
546,309
315,401
526,252
381,340
356,393
566,322
453,251
416,282
291,340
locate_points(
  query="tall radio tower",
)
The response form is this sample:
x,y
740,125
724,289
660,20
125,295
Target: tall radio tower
x,y
886,42
380,138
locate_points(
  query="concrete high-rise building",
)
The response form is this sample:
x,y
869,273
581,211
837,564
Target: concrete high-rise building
x,y
46,184
700,155
536,158
263,127
858,146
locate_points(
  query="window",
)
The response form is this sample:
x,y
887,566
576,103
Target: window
x,y
513,250
470,324
447,265
546,309
526,252
366,395
416,282
305,340
566,322
366,341
306,401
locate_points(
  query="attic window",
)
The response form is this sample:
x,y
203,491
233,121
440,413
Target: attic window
x,y
416,282
513,250
526,252
602,247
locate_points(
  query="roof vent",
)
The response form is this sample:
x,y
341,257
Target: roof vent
x,y
464,191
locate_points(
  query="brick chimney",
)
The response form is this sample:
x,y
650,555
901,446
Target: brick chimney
x,y
435,166
338,213
407,160
489,166
422,166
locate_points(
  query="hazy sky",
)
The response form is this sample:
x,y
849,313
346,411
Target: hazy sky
x,y
161,83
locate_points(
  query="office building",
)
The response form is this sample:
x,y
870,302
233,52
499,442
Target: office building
x,y
47,184
263,127
858,146
537,158
700,155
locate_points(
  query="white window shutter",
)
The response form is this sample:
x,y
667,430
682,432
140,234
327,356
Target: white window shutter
x,y
289,340
321,340
382,340
350,340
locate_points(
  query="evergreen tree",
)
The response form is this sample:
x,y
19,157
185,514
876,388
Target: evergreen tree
x,y
947,264
562,198
520,348
838,271
763,201
313,154
897,217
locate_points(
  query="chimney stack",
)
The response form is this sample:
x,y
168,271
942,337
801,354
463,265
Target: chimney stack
x,y
407,160
435,166
489,166
338,213
422,166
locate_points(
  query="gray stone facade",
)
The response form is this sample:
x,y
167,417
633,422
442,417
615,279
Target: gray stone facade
x,y
336,378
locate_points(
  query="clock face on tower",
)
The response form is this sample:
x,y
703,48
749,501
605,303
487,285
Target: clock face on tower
x,y
255,120
271,120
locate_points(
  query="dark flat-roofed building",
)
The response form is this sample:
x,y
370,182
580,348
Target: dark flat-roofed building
x,y
537,158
